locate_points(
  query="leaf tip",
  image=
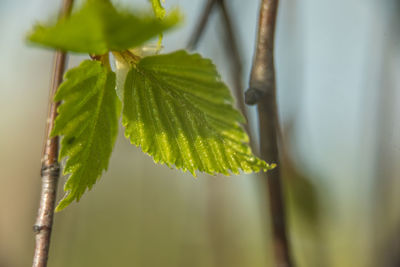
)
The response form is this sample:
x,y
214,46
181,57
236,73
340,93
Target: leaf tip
x,y
64,202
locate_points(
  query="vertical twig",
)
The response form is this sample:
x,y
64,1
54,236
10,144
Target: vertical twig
x,y
233,50
263,92
198,32
50,171
384,177
215,198
235,57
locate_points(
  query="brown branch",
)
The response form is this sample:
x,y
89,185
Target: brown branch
x,y
262,91
50,171
233,49
198,32
235,57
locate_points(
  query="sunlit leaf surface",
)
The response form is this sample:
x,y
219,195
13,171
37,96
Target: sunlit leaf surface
x,y
88,122
98,27
180,112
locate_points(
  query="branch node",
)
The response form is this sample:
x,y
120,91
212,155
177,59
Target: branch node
x,y
38,228
253,95
51,170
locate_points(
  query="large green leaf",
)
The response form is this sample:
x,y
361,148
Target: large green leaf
x,y
178,110
98,27
88,121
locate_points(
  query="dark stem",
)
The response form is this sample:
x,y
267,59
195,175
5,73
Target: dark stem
x,y
233,50
235,57
262,82
198,32
384,177
50,171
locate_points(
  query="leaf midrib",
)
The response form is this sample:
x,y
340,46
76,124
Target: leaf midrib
x,y
96,115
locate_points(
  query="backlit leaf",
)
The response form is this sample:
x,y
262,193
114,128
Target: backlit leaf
x,y
88,122
98,27
180,112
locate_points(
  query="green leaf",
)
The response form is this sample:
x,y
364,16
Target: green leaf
x,y
98,27
88,121
178,110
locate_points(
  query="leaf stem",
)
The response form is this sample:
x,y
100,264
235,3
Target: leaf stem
x,y
50,170
127,56
104,59
262,82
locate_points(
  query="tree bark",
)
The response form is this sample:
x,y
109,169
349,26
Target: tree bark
x,y
262,91
50,170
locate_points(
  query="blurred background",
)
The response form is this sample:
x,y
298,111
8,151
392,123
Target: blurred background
x,y
338,78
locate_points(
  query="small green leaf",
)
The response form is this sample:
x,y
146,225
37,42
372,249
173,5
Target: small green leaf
x,y
180,112
88,121
98,27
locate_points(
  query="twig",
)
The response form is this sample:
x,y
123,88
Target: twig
x,y
236,59
50,171
262,91
198,32
232,45
384,175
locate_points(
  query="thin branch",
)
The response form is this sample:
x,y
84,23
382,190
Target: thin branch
x,y
50,171
263,91
233,50
235,57
198,32
384,175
